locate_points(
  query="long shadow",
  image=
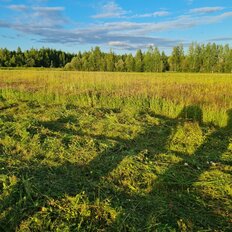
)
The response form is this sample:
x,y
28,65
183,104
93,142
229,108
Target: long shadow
x,y
72,179
189,170
69,178
175,189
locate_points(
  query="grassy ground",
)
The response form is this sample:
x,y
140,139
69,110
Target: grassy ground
x,y
115,152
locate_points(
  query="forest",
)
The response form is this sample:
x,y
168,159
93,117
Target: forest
x,y
44,57
197,58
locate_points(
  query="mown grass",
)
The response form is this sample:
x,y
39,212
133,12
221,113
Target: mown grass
x,y
115,152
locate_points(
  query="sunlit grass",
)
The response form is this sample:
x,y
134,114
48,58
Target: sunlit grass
x,y
165,93
115,152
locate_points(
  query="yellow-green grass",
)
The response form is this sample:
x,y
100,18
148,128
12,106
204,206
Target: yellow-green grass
x,y
115,151
165,93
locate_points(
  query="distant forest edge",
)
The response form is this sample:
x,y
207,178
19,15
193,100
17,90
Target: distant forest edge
x,y
44,57
198,58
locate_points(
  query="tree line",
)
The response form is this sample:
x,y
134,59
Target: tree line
x,y
197,58
44,57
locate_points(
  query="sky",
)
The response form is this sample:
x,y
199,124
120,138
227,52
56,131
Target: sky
x,y
119,25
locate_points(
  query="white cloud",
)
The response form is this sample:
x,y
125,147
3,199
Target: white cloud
x,y
39,16
150,15
17,7
48,9
204,10
180,23
110,10
220,39
161,13
113,10
117,43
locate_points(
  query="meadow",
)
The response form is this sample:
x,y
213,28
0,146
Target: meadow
x,y
82,151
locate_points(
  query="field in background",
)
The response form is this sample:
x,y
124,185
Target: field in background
x,y
165,93
115,151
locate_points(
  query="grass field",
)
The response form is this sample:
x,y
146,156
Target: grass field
x,y
115,151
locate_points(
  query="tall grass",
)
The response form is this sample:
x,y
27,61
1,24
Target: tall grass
x,y
164,93
107,152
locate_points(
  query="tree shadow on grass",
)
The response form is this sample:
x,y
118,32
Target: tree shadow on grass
x,y
174,201
178,192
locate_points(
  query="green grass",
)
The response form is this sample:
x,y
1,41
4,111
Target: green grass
x,y
96,152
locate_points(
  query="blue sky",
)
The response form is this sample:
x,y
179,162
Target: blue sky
x,y
121,25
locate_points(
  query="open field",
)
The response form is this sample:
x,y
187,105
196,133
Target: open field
x,y
115,151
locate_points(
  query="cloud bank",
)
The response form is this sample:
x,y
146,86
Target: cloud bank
x,y
124,30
